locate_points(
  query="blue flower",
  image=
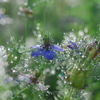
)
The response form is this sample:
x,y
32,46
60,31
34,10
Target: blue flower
x,y
48,51
72,46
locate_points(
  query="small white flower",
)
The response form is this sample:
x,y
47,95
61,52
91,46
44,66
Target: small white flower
x,y
41,86
24,78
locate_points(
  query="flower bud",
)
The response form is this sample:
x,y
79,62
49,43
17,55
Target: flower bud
x,y
37,74
94,50
92,54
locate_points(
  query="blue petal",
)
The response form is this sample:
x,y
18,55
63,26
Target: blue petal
x,y
72,45
48,54
57,47
36,53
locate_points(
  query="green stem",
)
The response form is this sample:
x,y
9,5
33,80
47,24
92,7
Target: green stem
x,y
43,64
27,29
70,94
20,93
44,16
27,22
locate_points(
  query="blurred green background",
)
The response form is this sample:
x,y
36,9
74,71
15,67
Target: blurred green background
x,y
28,18
54,16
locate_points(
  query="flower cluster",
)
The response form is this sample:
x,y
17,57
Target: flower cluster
x,y
72,65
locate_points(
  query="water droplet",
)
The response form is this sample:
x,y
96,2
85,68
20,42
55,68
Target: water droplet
x,y
64,82
12,55
65,77
83,56
53,72
9,49
79,69
15,58
34,4
72,29
11,62
70,83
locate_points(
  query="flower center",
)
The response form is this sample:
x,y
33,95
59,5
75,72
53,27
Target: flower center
x,y
47,46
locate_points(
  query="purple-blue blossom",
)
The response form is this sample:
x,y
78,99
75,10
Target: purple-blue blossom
x,y
72,45
48,51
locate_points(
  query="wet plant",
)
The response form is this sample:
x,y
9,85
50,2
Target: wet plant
x,y
44,69
49,71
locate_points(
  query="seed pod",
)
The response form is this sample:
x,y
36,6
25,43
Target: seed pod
x,y
96,94
78,78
